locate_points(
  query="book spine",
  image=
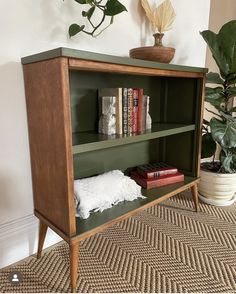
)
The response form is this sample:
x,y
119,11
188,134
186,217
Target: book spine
x,y
130,111
157,173
165,181
140,111
119,129
162,181
144,113
135,110
125,110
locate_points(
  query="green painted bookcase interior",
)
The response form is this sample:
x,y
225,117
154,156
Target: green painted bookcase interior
x,y
174,108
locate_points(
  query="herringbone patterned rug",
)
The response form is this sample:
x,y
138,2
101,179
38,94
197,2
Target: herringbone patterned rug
x,y
168,248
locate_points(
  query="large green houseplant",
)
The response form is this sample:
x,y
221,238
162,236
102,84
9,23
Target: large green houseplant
x,y
221,129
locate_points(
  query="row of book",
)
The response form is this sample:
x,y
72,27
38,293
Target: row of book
x,y
155,175
131,110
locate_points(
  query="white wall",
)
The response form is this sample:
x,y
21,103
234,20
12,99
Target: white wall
x,y
28,27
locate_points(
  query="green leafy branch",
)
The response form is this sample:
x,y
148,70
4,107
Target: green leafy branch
x,y
109,9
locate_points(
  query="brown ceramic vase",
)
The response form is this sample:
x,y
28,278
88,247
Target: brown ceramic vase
x,y
158,52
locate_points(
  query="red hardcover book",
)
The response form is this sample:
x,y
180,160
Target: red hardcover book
x,y
159,182
156,170
135,110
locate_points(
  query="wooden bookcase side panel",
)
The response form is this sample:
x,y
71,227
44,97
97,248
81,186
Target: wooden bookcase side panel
x,y
49,124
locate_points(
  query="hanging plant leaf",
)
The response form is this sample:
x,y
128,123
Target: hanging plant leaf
x,y
81,1
208,146
224,133
75,29
214,78
84,1
88,13
114,7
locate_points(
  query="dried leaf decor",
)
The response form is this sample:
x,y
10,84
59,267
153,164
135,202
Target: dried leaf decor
x,y
162,17
148,11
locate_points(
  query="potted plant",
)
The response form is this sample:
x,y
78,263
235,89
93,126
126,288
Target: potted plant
x,y
218,178
101,10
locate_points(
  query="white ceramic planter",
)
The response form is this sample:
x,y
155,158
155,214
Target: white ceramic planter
x,y
217,189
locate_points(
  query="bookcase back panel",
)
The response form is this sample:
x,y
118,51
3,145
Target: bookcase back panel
x,y
181,98
121,157
179,150
84,87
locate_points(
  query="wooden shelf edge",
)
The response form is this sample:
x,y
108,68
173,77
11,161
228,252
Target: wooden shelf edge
x,y
108,224
87,147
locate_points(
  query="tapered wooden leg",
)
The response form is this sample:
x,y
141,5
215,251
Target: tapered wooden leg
x,y
195,196
74,257
42,234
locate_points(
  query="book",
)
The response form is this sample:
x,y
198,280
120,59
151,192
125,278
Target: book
x,y
116,92
135,110
142,111
155,170
125,111
130,111
158,182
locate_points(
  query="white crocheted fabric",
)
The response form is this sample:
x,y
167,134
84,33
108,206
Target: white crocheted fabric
x,y
103,191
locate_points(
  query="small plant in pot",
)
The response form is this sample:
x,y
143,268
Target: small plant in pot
x,y
218,178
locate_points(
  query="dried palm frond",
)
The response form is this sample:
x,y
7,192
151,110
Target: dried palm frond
x,y
162,17
148,11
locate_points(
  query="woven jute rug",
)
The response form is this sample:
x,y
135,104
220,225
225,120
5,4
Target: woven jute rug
x,y
167,248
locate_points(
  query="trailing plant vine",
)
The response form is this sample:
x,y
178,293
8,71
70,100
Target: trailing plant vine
x,y
102,9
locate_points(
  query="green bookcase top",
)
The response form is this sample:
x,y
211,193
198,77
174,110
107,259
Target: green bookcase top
x,y
86,55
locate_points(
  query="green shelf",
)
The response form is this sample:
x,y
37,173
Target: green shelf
x,y
91,141
98,219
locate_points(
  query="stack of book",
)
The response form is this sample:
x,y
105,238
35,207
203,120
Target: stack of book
x,y
155,175
132,109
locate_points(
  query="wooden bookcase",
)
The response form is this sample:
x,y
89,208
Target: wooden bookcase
x,y
61,94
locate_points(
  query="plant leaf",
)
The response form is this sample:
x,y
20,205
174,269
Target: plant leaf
x,y
164,16
208,146
228,160
214,78
223,47
232,110
81,1
205,122
114,7
231,91
148,11
211,39
75,29
231,79
88,13
227,41
224,133
214,96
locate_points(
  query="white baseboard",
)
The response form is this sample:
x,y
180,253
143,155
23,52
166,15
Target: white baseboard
x,y
18,239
